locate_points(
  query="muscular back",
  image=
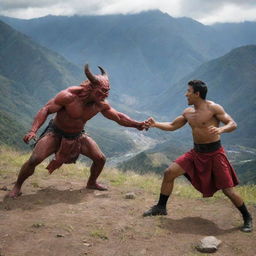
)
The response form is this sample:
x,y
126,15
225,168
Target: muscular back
x,y
200,119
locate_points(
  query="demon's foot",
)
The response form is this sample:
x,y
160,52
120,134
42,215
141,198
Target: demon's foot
x,y
96,186
14,193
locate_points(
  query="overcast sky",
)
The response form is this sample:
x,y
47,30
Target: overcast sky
x,y
204,11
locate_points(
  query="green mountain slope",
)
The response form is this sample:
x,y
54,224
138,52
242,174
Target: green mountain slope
x,y
142,52
29,76
11,132
231,83
40,72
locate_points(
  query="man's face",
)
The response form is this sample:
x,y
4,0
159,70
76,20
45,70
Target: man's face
x,y
191,95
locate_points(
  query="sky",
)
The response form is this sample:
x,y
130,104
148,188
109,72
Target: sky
x,y
204,11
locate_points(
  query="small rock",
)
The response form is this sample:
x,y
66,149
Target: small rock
x,y
208,244
38,225
130,195
87,244
60,235
101,194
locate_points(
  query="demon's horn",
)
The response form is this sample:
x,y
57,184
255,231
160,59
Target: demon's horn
x,y
92,78
103,72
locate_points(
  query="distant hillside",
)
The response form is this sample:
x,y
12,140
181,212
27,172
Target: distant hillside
x,y
247,172
144,53
236,34
39,71
29,76
156,159
231,83
11,132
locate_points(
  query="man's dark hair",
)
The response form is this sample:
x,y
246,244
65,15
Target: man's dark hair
x,y
199,86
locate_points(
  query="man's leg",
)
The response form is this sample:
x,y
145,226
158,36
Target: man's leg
x,y
45,147
91,150
172,172
239,203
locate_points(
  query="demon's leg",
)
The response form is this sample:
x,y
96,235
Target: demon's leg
x,y
45,147
91,150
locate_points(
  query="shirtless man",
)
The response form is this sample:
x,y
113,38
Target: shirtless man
x,y
64,135
206,165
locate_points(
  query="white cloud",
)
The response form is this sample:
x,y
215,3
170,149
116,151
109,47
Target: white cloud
x,y
230,13
205,11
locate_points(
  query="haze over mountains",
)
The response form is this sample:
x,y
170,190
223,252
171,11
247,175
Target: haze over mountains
x,y
150,57
30,75
143,53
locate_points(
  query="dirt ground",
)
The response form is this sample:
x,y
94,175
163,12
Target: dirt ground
x,y
58,218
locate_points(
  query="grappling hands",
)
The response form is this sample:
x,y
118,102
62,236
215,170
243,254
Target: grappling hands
x,y
146,124
150,122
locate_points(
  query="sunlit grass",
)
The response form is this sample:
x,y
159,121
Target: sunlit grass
x,y
11,161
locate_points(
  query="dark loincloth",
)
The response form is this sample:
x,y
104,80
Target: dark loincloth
x,y
207,168
69,148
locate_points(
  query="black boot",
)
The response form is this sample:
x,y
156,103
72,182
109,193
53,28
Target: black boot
x,y
247,227
155,210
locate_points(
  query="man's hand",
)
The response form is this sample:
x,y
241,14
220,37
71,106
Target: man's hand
x,y
29,136
215,130
150,122
142,126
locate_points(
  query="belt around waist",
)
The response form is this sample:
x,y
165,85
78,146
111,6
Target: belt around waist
x,y
207,148
66,135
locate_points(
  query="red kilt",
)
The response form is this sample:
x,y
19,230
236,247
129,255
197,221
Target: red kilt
x,y
208,172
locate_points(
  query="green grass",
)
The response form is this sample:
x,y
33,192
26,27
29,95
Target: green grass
x,y
99,233
11,161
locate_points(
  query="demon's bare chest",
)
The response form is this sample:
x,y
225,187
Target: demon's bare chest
x,y
78,110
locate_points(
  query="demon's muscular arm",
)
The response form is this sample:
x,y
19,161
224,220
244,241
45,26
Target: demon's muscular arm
x,y
121,118
53,106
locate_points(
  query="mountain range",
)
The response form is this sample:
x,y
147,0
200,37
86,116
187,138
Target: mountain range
x,y
30,75
144,53
150,57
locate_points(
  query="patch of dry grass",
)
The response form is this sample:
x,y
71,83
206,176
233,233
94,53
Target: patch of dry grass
x,y
11,161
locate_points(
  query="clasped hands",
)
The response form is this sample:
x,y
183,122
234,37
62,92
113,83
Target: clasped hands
x,y
150,122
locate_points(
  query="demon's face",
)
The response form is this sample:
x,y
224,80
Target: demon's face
x,y
99,83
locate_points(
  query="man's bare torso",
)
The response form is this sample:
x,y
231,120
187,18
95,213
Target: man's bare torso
x,y
200,119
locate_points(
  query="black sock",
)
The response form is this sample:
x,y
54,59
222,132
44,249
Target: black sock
x,y
162,200
244,211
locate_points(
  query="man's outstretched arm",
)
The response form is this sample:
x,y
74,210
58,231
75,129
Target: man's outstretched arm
x,y
167,126
122,119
